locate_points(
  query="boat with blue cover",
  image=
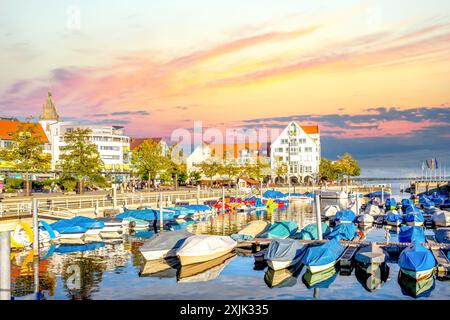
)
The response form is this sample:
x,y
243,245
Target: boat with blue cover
x,y
377,194
414,218
406,203
147,214
323,256
442,235
310,232
417,261
68,248
94,227
390,204
283,253
280,230
344,231
393,218
411,234
69,231
345,216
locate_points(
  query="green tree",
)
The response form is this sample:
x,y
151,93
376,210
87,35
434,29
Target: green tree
x,y
210,168
281,169
258,170
80,158
327,170
149,160
230,169
347,165
25,153
195,176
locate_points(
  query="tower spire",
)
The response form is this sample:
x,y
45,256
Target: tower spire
x,y
49,110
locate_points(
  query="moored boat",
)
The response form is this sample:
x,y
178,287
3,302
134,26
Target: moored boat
x,y
343,231
414,218
416,289
280,230
442,235
365,219
441,218
282,278
393,218
411,234
370,255
372,278
201,248
323,256
204,271
417,261
345,216
310,232
164,245
321,279
283,253
373,209
251,230
330,211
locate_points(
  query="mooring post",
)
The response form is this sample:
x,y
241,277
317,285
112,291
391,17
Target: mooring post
x,y
35,228
318,219
36,277
382,195
161,216
261,191
5,266
96,210
316,293
223,200
357,202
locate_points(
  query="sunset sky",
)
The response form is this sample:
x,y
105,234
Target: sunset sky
x,y
375,75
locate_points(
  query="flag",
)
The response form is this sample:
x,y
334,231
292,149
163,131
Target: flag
x,y
432,163
435,163
428,164
423,166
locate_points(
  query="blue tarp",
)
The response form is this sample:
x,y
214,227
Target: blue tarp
x,y
414,217
145,214
310,232
378,194
43,225
198,207
343,231
323,254
280,229
442,235
411,234
66,226
394,217
345,216
416,258
87,222
284,250
274,194
391,202
66,248
412,209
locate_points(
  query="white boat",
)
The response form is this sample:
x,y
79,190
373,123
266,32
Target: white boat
x,y
164,245
365,219
283,253
205,271
201,248
251,230
393,218
330,211
353,208
333,194
373,210
441,218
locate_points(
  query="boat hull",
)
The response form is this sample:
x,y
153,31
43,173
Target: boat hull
x,y
415,223
315,269
418,275
185,260
279,265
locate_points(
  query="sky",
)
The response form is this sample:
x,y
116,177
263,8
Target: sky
x,y
374,75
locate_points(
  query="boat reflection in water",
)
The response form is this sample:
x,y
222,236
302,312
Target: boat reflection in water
x,y
282,278
322,279
413,288
372,277
161,268
204,271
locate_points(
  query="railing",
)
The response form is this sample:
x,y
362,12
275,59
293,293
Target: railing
x,y
68,205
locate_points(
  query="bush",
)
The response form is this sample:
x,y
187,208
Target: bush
x,y
68,184
13,184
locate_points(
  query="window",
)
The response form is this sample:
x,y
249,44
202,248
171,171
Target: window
x,y
308,149
7,143
278,149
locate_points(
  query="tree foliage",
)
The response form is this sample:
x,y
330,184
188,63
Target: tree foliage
x,y
80,158
25,153
149,160
210,168
344,165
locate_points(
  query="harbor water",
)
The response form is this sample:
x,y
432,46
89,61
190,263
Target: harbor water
x,y
116,270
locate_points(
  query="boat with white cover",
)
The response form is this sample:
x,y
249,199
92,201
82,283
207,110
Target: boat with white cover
x,y
201,248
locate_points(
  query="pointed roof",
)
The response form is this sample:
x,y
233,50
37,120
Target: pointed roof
x,y
49,110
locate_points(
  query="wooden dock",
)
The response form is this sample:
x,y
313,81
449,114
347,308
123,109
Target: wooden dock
x,y
443,263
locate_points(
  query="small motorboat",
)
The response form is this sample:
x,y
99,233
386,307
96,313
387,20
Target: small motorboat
x,y
365,219
323,256
373,210
371,254
201,248
352,207
442,235
374,278
68,231
283,253
69,248
393,218
135,223
345,216
333,194
204,271
310,232
321,279
250,231
414,219
280,230
330,211
416,288
390,204
22,236
343,231
441,218
164,245
282,278
417,261
411,234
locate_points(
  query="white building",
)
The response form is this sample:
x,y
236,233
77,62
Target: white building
x,y
299,148
113,146
201,153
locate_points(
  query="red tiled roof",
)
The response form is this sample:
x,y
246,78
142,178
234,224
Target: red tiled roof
x,y
136,142
9,127
310,129
233,149
249,180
